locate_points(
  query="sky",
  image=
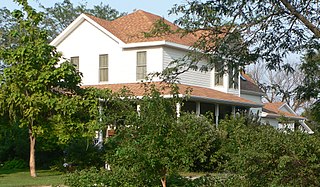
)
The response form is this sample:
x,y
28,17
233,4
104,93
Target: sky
x,y
158,7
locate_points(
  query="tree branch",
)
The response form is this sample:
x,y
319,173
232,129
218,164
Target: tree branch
x,y
303,19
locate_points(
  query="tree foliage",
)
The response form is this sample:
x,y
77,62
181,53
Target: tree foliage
x,y
280,86
263,156
265,30
62,14
153,144
36,92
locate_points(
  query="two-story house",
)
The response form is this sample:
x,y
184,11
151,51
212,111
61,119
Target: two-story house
x,y
113,54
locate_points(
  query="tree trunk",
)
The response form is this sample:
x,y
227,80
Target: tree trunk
x,y
164,181
32,161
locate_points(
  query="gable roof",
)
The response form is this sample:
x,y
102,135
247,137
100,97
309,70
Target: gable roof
x,y
130,28
197,93
274,110
249,84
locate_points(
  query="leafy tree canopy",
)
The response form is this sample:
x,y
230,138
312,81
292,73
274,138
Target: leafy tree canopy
x,y
62,14
39,94
153,143
241,32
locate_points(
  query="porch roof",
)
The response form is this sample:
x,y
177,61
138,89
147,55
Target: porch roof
x,y
273,111
196,93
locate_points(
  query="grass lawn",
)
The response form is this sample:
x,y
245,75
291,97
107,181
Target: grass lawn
x,y
16,178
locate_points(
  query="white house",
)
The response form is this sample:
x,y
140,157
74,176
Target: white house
x,y
113,54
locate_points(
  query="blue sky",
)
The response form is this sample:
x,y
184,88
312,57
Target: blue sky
x,y
159,7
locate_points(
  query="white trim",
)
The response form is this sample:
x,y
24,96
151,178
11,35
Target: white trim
x,y
154,43
288,107
217,112
198,108
306,127
178,109
80,19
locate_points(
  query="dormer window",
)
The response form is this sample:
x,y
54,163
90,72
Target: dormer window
x,y
141,65
218,74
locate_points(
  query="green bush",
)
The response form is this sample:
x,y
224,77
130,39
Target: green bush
x,y
15,164
87,178
260,155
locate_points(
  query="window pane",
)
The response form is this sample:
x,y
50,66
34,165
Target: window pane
x,y
218,74
103,60
233,78
75,61
141,65
103,74
141,58
141,72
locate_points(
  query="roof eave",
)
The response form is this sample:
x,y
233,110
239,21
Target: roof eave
x,y
155,43
222,101
274,116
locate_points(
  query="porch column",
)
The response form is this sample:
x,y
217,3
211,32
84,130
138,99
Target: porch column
x,y
100,133
234,111
178,109
217,114
138,110
198,108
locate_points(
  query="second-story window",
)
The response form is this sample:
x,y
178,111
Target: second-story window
x,y
218,74
75,61
234,78
103,68
141,65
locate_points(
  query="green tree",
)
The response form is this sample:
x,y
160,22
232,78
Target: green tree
x,y
266,30
153,144
259,155
39,94
62,14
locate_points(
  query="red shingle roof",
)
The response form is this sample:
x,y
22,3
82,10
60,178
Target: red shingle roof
x,y
274,109
131,28
199,92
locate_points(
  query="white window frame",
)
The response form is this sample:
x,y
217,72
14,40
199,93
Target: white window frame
x,y
141,65
103,68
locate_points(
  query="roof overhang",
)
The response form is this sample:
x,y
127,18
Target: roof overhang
x,y
221,101
275,116
155,43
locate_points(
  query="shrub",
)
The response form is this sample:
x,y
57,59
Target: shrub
x,y
87,178
15,164
262,156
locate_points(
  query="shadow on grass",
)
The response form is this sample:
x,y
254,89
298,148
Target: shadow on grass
x,y
11,171
40,173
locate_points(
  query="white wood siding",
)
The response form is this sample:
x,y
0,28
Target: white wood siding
x,y
195,78
88,42
254,98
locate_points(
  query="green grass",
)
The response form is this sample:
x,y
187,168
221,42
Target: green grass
x,y
18,178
